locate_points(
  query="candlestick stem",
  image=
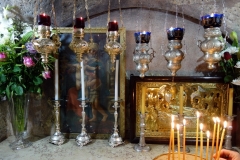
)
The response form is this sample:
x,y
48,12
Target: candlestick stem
x,y
228,138
141,146
83,138
57,138
115,139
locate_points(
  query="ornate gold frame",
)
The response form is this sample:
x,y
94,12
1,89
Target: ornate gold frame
x,y
211,93
121,117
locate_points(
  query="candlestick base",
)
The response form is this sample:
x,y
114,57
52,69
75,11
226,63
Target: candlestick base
x,y
228,138
83,138
57,138
140,148
115,139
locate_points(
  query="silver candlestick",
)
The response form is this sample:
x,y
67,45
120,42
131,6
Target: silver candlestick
x,y
83,138
187,150
57,138
228,139
141,146
115,139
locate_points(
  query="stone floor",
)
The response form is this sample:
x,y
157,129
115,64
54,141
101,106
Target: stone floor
x,y
97,149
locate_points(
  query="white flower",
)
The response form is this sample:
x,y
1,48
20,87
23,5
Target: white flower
x,y
237,65
236,81
230,49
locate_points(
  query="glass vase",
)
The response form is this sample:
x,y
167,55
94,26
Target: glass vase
x,y
18,108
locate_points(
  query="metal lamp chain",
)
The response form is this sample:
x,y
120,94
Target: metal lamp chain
x,y
120,12
54,14
108,20
74,12
88,19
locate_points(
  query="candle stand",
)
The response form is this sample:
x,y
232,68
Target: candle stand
x,y
57,138
228,138
141,146
115,139
187,150
83,138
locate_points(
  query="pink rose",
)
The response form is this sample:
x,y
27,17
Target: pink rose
x,y
28,62
2,56
46,74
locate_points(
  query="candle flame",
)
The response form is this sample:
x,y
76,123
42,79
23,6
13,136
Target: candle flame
x,y
172,117
225,124
208,134
184,122
198,114
201,126
81,18
144,32
172,124
214,119
218,119
44,14
212,15
171,28
178,127
115,21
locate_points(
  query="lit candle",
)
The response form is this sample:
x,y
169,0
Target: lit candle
x,y
208,135
198,115
79,23
230,104
113,26
82,81
173,148
178,141
56,83
175,33
170,141
218,132
116,80
213,139
184,138
181,100
44,19
201,140
221,142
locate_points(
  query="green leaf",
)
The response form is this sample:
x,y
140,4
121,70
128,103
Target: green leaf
x,y
26,37
2,78
16,68
37,81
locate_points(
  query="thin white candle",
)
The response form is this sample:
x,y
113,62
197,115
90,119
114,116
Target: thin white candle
x,y
116,80
181,100
218,132
82,80
56,82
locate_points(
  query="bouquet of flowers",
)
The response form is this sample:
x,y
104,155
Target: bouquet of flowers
x,y
21,68
230,63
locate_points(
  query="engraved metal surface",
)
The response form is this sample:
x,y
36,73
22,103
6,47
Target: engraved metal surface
x,y
162,101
